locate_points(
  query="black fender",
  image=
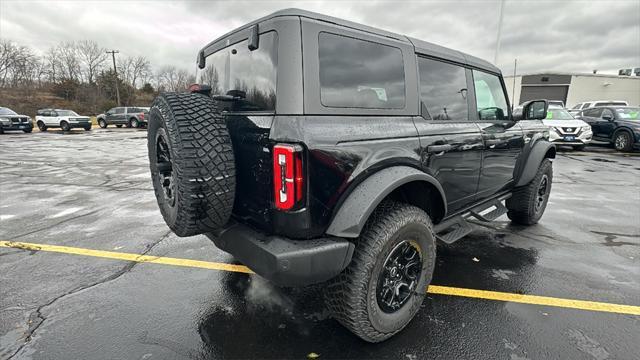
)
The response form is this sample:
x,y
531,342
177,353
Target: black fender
x,y
531,159
350,219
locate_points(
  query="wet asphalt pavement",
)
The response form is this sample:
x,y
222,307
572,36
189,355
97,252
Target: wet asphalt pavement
x,y
92,190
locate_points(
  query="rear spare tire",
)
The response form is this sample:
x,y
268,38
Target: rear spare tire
x,y
191,162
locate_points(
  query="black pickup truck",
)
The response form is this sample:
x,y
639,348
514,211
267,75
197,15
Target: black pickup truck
x,y
316,150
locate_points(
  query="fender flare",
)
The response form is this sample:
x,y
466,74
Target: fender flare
x,y
350,219
532,160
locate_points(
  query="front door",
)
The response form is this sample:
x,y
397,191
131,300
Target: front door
x,y
503,138
451,145
592,117
605,125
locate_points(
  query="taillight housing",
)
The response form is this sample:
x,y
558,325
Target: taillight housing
x,y
288,176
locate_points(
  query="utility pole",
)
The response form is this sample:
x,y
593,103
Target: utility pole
x,y
513,88
495,57
115,71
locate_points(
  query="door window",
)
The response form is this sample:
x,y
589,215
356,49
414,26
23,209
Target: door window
x,y
443,90
592,112
356,73
119,111
490,98
586,105
607,112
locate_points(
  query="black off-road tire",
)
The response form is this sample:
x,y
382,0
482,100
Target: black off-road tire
x,y
202,170
41,126
623,141
87,128
65,126
526,205
102,123
352,295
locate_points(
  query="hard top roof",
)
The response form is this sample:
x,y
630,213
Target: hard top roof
x,y
421,47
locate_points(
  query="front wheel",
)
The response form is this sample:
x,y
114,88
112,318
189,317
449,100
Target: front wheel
x,y
133,123
622,141
102,123
27,130
527,203
87,128
65,126
383,287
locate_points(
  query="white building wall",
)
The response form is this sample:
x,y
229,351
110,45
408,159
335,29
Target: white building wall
x,y
587,88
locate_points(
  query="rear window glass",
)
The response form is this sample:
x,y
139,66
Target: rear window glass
x,y
360,74
610,104
249,74
443,89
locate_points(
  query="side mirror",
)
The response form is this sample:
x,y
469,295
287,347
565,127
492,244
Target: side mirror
x,y
535,110
607,117
202,62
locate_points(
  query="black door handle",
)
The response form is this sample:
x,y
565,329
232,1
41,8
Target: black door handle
x,y
439,148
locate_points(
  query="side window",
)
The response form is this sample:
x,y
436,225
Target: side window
x,y
443,89
360,74
119,111
490,98
607,112
250,75
593,112
577,107
586,105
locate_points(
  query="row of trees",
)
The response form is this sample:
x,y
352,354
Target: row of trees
x,y
82,72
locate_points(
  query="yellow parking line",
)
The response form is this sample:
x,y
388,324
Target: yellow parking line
x,y
433,289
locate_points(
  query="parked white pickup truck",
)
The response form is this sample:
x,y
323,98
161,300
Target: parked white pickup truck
x,y
59,118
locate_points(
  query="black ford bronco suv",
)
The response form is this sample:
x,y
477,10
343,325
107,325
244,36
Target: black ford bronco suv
x,y
316,150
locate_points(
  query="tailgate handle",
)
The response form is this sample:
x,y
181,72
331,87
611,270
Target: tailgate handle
x,y
439,148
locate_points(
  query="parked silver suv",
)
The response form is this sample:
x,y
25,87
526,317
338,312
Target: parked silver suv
x,y
130,116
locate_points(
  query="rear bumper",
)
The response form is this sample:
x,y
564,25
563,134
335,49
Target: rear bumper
x,y
284,261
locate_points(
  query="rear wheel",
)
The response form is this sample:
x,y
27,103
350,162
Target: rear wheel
x,y
622,141
383,287
102,123
41,126
527,203
192,163
65,126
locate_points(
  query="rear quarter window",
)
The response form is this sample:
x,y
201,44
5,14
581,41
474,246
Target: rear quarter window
x,y
356,73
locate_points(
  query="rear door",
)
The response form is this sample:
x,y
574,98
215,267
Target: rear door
x,y
455,157
503,138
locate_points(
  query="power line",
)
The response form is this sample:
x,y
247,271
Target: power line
x,y
115,71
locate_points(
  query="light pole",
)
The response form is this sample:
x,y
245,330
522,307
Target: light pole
x,y
495,58
115,71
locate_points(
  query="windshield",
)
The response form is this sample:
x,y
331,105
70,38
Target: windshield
x,y
628,113
558,114
66,113
7,111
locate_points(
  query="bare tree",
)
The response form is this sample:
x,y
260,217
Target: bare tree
x,y
92,58
69,60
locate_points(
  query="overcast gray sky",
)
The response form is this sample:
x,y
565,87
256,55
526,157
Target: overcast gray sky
x,y
576,36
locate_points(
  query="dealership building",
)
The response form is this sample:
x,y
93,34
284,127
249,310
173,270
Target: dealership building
x,y
573,88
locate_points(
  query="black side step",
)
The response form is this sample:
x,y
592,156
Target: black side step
x,y
499,210
453,229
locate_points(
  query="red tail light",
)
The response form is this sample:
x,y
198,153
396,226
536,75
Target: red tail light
x,y
288,176
141,116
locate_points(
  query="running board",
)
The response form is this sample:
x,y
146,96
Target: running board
x,y
458,227
489,212
453,229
